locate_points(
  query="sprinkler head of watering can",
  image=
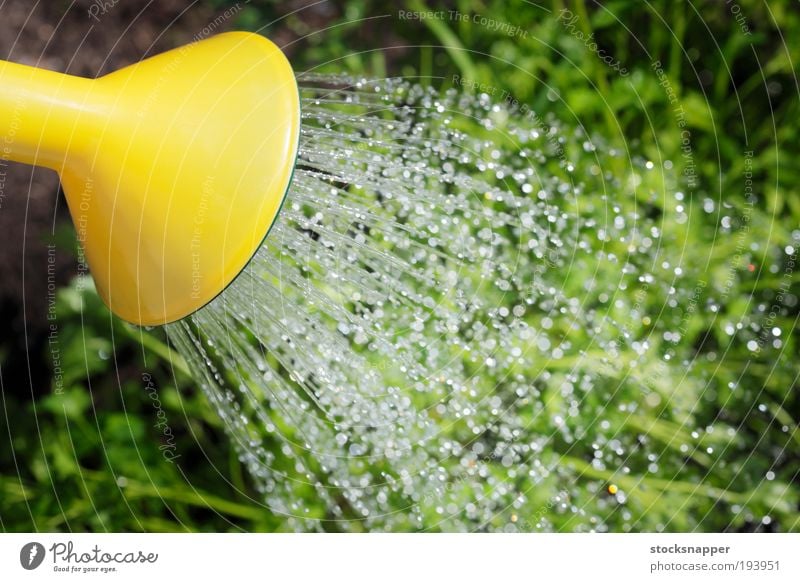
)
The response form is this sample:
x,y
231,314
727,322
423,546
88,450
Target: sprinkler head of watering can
x,y
174,168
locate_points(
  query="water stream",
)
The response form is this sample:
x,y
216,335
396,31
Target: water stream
x,y
434,316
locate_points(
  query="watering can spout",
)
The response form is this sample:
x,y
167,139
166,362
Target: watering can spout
x,y
174,168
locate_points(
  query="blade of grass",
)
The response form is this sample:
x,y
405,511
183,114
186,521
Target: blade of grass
x,y
450,42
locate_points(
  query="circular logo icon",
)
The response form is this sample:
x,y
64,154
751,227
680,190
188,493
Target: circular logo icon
x,y
31,555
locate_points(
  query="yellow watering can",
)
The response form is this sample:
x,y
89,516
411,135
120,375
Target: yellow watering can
x,y
174,168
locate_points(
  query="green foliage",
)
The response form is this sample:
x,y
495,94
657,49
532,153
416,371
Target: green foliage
x,y
91,455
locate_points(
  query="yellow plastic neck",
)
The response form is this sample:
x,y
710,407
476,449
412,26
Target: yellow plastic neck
x,y
39,113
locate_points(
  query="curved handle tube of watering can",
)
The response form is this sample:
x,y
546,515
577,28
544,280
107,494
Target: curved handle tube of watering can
x,y
38,113
174,168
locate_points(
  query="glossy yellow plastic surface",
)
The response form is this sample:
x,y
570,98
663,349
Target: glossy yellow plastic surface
x,y
174,168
